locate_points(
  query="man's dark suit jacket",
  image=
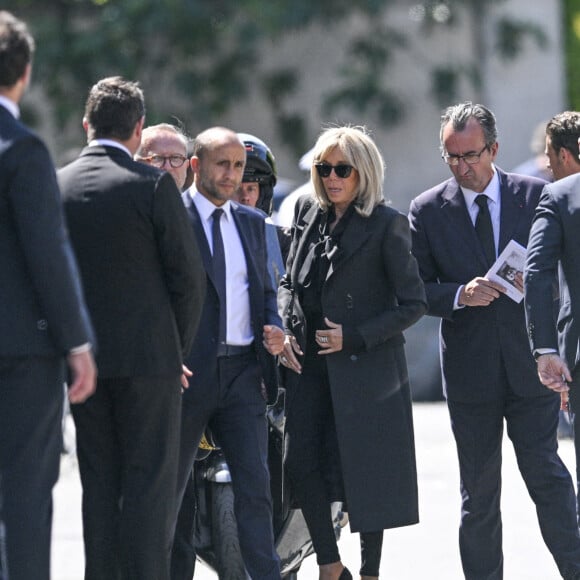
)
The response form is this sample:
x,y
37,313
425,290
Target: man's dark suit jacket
x,y
41,308
139,261
42,317
263,306
555,238
475,341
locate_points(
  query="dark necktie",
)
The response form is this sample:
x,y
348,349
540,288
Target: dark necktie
x,y
484,229
219,270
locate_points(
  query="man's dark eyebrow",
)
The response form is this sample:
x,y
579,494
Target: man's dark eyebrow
x,y
472,152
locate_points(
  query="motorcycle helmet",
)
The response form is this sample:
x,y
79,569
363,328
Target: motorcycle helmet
x,y
260,168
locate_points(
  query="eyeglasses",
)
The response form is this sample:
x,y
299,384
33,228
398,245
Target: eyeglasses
x,y
159,160
325,169
469,158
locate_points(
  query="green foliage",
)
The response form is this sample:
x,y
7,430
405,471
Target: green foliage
x,y
509,40
363,85
196,58
511,35
444,84
572,45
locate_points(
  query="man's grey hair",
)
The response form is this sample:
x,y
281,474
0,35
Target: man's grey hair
x,y
458,115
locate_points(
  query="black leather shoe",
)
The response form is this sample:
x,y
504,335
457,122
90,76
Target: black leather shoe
x,y
345,574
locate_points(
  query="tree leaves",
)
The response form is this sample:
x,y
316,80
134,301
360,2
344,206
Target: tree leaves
x,y
197,58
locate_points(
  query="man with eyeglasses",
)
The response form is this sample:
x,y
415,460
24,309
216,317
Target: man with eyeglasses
x,y
489,374
165,146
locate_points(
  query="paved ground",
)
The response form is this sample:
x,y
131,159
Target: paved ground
x,y
428,550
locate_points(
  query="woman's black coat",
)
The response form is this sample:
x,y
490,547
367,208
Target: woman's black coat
x,y
375,287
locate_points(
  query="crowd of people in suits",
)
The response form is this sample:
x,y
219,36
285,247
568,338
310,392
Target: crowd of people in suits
x,y
136,266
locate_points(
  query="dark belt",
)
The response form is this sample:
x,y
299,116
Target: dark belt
x,y
234,349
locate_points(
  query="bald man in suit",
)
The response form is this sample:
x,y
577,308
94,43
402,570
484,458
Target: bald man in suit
x,y
233,352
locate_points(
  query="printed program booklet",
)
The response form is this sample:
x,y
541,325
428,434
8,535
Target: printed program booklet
x,y
508,268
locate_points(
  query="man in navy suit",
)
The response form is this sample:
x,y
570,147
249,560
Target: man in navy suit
x,y
144,284
43,319
489,373
235,373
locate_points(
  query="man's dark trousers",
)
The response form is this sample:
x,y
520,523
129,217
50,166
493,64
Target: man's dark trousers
x,y
478,431
234,408
35,385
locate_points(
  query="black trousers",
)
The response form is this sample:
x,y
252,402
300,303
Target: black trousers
x,y
128,449
31,404
532,427
313,465
234,408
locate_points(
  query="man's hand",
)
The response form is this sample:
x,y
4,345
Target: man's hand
x,y
519,281
564,401
84,376
554,372
273,339
185,374
480,292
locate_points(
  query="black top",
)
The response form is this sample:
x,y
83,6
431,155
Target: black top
x,y
324,247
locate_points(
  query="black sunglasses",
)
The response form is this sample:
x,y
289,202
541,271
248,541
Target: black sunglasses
x,y
343,171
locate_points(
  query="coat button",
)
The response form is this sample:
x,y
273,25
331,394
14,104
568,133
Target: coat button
x,y
41,324
353,357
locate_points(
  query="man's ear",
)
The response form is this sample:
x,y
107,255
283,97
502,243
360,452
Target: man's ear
x,y
139,128
565,156
27,75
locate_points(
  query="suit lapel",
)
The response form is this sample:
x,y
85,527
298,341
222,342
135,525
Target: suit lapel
x,y
455,210
201,237
512,202
244,230
354,236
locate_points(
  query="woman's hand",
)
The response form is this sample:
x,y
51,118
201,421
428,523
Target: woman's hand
x,y
329,339
185,375
288,356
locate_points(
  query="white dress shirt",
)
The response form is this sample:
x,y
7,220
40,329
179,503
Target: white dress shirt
x,y
492,191
110,143
238,320
493,203
12,107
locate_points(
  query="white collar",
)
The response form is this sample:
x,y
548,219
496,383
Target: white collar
x,y
206,208
12,107
491,190
110,143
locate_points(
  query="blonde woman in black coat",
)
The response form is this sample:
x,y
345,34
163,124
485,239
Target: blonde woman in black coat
x,y
351,288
